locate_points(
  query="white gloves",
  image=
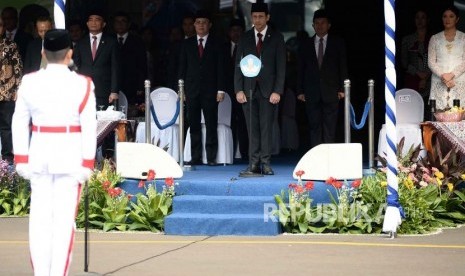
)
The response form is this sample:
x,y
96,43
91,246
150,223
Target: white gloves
x,y
83,175
24,170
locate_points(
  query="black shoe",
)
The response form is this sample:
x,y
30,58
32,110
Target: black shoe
x,y
267,170
193,163
252,169
212,163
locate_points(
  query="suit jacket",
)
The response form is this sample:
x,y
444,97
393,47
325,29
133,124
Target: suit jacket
x,y
22,39
104,70
273,56
322,84
133,66
33,56
202,76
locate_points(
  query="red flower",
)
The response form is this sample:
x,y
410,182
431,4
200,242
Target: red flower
x,y
299,173
141,184
299,189
151,175
292,186
337,184
356,183
130,196
114,192
309,185
330,180
106,184
169,181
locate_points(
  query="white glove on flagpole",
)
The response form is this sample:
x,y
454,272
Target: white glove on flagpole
x,y
24,170
83,175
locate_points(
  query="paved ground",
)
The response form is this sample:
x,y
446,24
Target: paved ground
x,y
154,254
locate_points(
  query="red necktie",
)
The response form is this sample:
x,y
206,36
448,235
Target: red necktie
x,y
200,47
94,46
259,43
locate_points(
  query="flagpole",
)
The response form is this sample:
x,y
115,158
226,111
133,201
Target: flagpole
x,y
59,14
392,217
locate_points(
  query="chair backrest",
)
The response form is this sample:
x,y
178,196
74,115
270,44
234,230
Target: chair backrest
x,y
164,102
224,112
409,107
123,103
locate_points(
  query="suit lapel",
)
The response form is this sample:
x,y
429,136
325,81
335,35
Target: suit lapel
x,y
101,46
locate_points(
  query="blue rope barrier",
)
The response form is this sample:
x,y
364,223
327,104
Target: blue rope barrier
x,y
170,123
366,110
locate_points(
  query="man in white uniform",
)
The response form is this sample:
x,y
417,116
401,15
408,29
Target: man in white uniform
x,y
59,153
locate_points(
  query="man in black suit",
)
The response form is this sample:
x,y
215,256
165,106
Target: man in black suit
x,y
322,71
97,55
266,88
34,60
238,125
201,68
133,59
22,39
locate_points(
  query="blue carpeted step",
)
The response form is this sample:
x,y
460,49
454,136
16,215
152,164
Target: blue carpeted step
x,y
220,224
223,204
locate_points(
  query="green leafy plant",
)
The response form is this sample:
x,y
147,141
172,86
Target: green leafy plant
x,y
150,209
14,192
108,204
294,209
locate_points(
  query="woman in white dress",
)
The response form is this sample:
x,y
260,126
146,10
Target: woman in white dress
x,y
446,59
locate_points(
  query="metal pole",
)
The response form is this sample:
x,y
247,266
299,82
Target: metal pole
x,y
148,125
347,111
86,227
181,122
371,123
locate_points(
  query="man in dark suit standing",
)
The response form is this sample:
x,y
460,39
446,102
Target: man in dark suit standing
x,y
201,68
133,59
238,125
97,55
322,71
267,87
21,38
34,60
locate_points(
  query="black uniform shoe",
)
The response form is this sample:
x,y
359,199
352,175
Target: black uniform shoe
x,y
267,170
193,163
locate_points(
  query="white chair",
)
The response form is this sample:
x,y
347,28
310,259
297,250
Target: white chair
x,y
225,154
123,103
409,115
165,103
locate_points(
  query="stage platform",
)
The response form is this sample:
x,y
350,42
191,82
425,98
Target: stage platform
x,y
216,201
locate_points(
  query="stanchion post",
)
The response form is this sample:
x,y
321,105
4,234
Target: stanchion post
x,y
347,111
371,123
148,125
181,122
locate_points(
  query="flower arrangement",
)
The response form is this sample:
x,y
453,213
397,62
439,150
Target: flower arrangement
x,y
151,208
14,192
109,204
430,191
295,214
111,208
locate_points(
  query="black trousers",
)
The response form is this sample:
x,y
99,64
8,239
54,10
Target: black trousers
x,y
259,115
322,119
7,109
209,105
